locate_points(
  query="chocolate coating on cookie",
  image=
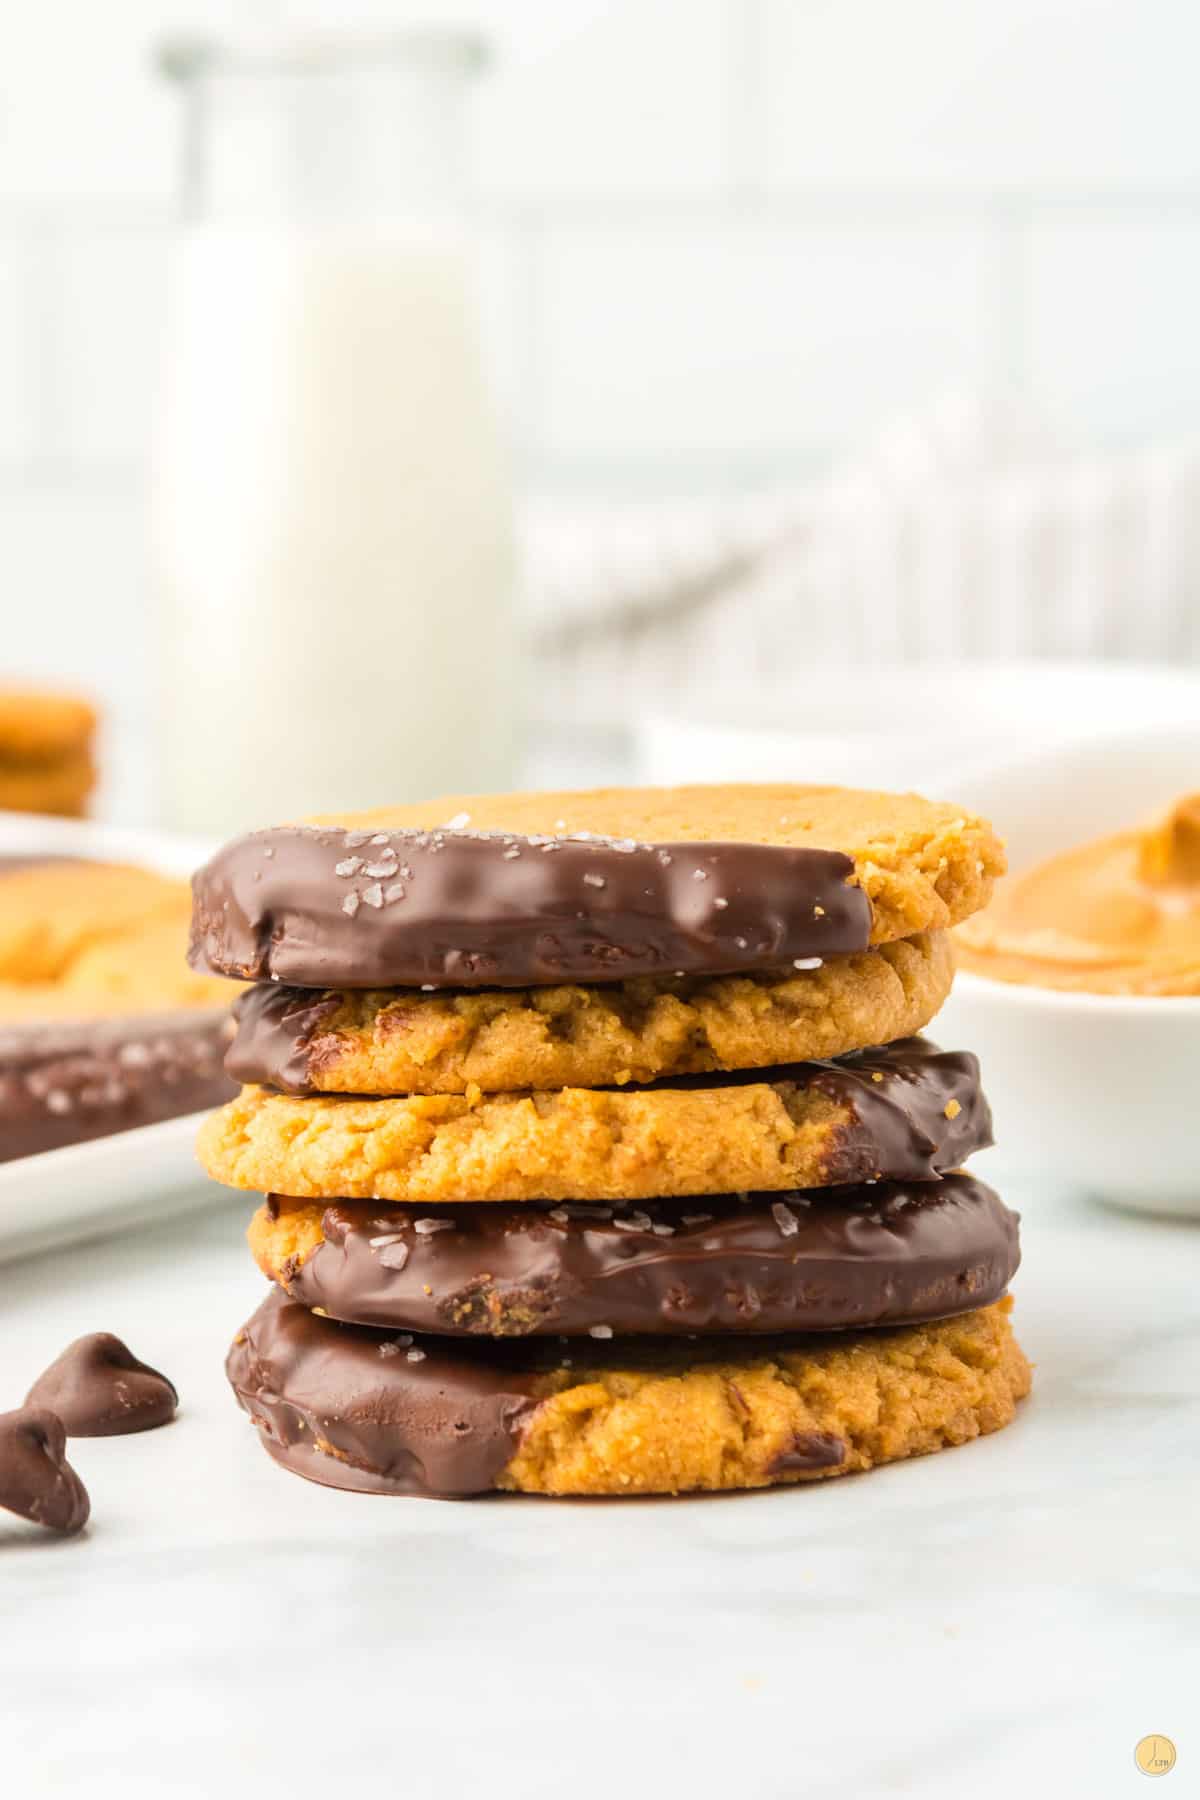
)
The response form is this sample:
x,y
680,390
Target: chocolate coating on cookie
x,y
36,1480
380,1413
98,1388
389,1416
916,1112
890,1254
324,907
65,1083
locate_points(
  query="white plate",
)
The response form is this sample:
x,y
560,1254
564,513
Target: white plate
x,y
110,1184
88,1190
34,834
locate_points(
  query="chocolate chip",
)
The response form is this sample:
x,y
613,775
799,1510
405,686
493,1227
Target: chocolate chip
x,y
36,1480
98,1388
810,1450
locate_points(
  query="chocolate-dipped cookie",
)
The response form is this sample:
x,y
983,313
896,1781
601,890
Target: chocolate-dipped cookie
x,y
377,1413
519,890
66,1083
891,1254
302,1041
907,1112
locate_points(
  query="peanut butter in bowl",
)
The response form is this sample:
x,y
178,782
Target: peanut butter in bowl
x,y
1117,916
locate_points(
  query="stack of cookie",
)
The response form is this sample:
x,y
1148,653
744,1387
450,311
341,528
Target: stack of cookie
x,y
585,1170
45,752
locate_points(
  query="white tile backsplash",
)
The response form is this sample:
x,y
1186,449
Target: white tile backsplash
x,y
593,97
737,339
111,287
717,234
84,115
1112,303
18,385
967,96
718,237
73,590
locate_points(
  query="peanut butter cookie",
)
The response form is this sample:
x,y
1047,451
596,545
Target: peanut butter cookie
x,y
389,1042
908,1111
523,890
366,1410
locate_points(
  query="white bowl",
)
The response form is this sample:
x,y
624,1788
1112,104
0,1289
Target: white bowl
x,y
1090,1091
905,726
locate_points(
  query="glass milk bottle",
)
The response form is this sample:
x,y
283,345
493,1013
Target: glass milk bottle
x,y
331,524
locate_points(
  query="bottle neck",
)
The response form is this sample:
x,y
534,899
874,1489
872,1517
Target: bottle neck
x,y
372,146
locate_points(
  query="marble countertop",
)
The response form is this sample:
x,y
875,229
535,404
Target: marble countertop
x,y
1020,1611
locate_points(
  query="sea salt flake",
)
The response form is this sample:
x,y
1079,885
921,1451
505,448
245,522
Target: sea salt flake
x,y
806,962
349,865
384,867
560,1215
395,1256
426,1227
661,1230
600,1331
415,1355
510,854
699,874
390,1237
720,902
350,904
785,1218
696,1218
457,822
596,881
373,896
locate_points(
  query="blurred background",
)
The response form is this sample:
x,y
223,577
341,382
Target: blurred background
x,y
815,338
